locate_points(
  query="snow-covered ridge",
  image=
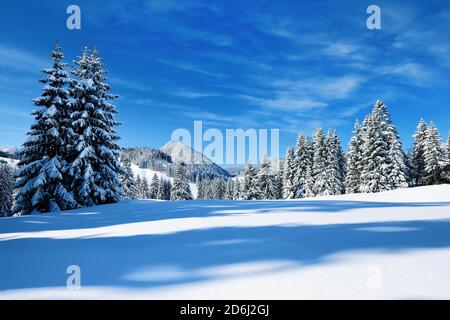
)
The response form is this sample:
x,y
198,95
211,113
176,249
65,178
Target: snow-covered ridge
x,y
10,149
11,162
174,153
181,153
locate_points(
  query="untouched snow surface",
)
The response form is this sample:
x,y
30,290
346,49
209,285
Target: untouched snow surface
x,y
368,246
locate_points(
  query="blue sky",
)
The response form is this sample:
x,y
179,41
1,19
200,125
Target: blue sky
x,y
292,65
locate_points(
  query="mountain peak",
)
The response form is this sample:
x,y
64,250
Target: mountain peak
x,y
10,149
181,153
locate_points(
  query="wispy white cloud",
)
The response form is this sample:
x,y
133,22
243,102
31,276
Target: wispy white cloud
x,y
128,84
192,68
187,94
19,59
13,128
346,51
12,112
412,72
285,102
329,88
304,94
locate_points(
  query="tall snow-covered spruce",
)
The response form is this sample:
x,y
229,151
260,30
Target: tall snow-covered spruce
x,y
41,174
267,181
250,189
164,189
180,188
322,183
128,182
354,161
230,190
6,189
384,166
302,162
373,175
435,157
94,167
336,163
237,190
448,146
154,187
289,174
417,158
396,166
448,157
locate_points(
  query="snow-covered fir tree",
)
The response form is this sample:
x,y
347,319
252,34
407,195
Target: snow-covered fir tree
x,y
250,189
448,146
145,189
302,161
266,181
218,188
354,161
309,191
7,182
229,192
288,174
201,188
375,152
140,190
180,188
409,168
213,189
417,153
395,160
41,174
321,165
164,189
384,162
397,168
448,157
342,161
207,189
94,167
435,157
309,145
237,190
336,164
279,181
154,187
128,182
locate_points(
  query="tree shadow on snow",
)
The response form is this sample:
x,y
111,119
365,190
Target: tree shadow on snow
x,y
151,210
151,261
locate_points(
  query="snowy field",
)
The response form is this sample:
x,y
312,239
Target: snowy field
x,y
390,245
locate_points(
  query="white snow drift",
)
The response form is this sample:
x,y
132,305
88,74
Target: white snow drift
x,y
388,245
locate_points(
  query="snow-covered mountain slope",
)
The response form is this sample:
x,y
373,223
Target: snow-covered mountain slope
x,y
11,162
181,153
10,149
148,174
389,245
197,166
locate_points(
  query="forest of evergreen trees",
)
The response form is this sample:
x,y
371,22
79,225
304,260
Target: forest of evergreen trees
x,y
317,166
375,162
71,157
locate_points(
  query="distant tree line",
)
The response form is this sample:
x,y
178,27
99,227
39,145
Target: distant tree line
x,y
317,166
71,157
